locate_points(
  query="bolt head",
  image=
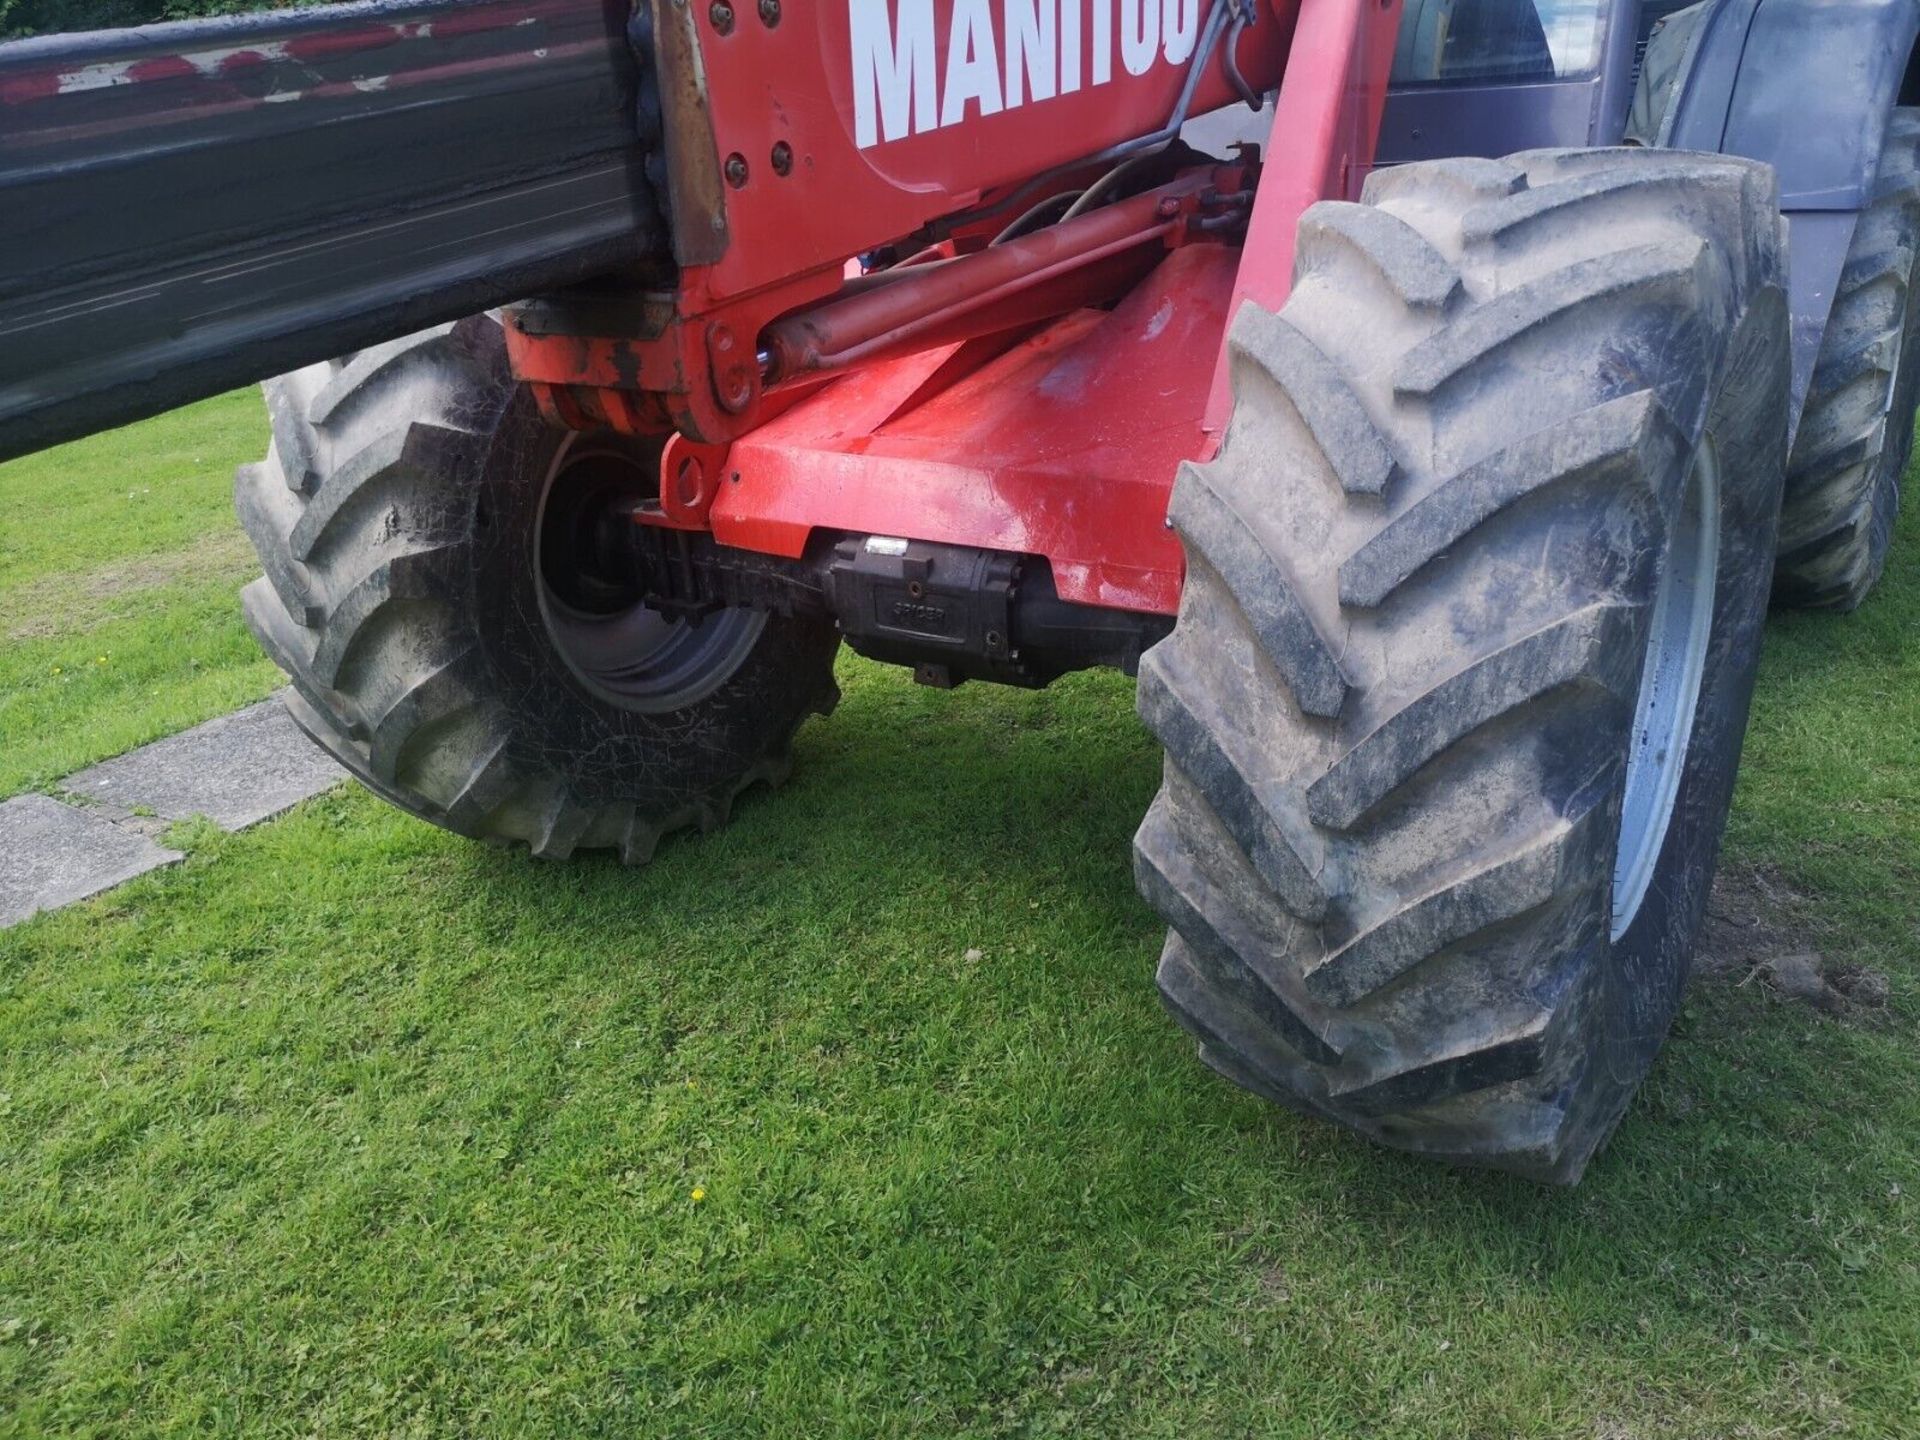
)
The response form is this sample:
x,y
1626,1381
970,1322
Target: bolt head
x,y
770,13
721,14
736,170
783,158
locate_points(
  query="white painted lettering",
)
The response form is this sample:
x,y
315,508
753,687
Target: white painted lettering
x,y
893,70
921,65
1139,34
973,63
1179,29
1069,46
1031,35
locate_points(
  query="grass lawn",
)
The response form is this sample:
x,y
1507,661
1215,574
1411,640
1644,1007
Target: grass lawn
x,y
861,1117
119,559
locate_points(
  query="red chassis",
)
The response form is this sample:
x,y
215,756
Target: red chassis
x,y
1034,396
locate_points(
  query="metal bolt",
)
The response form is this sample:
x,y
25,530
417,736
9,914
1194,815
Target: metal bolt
x,y
732,379
783,159
770,13
721,14
736,170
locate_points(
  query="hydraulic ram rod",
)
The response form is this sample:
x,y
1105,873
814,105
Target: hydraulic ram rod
x,y
1083,261
189,207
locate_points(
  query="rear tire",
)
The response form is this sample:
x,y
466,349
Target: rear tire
x,y
1432,847
419,596
1856,429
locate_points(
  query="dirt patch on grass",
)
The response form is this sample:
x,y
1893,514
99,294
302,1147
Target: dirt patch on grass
x,y
1756,932
74,604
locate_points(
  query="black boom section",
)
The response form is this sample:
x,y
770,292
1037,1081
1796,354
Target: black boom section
x,y
189,207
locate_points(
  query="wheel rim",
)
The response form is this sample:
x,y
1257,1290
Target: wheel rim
x,y
1679,632
623,652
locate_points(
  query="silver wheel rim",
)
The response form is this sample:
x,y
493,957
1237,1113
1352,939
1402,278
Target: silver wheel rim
x,y
1679,633
624,653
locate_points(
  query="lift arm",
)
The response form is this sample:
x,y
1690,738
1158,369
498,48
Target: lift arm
x,y
186,207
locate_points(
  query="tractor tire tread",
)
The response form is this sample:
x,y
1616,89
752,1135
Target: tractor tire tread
x,y
356,516
1376,915
1856,426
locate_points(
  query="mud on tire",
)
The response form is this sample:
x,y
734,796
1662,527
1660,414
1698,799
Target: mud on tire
x,y
1406,684
1856,429
398,518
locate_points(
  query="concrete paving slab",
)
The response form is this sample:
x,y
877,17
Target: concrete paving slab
x,y
236,770
53,854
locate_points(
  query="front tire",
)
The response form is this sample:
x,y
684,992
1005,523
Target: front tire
x,y
1456,694
416,521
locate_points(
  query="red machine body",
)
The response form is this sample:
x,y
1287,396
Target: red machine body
x,y
1035,395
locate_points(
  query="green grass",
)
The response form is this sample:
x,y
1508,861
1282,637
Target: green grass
x,y
348,1127
119,559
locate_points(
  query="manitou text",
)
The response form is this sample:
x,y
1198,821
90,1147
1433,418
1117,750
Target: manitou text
x,y
919,66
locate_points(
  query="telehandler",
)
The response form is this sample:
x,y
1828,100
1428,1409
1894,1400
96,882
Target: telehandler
x,y
633,358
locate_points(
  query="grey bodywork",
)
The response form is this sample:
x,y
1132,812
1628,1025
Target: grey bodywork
x,y
1804,85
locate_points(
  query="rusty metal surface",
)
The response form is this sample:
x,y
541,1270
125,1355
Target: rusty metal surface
x,y
696,194
188,207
